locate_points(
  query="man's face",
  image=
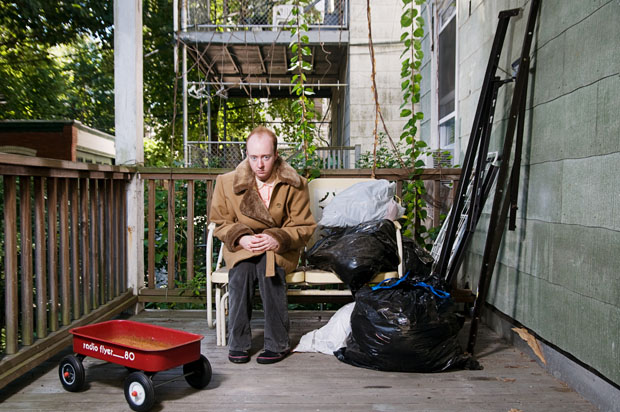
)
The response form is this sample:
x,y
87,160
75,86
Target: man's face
x,y
261,156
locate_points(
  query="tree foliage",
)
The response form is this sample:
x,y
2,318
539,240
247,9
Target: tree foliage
x,y
56,61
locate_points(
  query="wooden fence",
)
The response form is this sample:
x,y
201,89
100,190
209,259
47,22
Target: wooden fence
x,y
64,254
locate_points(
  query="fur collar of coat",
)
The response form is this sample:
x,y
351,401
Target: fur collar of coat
x,y
251,204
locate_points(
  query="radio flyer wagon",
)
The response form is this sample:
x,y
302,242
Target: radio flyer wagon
x,y
143,349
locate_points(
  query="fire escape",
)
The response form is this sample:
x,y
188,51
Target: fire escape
x,y
240,48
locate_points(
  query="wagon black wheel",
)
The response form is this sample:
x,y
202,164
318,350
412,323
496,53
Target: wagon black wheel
x,y
198,373
139,392
71,373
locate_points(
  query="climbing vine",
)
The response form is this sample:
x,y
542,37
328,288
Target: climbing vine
x,y
411,60
303,105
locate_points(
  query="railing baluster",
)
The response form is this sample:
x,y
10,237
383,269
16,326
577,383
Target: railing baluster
x,y
94,244
52,250
25,207
171,233
39,257
109,261
84,245
75,248
151,235
64,261
114,236
104,250
117,237
436,206
190,230
10,264
123,234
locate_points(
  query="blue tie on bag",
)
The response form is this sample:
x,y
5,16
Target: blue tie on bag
x,y
439,293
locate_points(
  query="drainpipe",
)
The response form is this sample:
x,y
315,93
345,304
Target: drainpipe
x,y
184,56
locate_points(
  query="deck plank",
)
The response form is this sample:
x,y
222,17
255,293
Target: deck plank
x,y
305,381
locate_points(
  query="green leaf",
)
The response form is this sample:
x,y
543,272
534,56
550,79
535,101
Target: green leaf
x,y
419,32
404,36
305,38
404,84
419,163
406,19
419,116
405,113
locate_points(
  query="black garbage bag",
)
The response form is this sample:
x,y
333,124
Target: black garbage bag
x,y
357,254
417,260
405,327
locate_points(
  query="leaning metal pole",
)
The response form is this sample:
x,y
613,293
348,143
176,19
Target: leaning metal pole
x,y
481,119
501,200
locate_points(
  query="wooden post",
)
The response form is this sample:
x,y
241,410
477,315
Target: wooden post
x,y
52,250
26,260
190,230
10,264
94,244
75,250
84,246
151,236
39,257
171,233
64,261
129,125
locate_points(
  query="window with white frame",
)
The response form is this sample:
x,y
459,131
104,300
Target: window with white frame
x,y
445,25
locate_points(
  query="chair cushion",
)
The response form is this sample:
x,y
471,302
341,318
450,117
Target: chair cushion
x,y
312,277
221,276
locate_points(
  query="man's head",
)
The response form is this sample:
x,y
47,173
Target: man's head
x,y
261,149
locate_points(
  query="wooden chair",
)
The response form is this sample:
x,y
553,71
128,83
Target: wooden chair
x,y
304,282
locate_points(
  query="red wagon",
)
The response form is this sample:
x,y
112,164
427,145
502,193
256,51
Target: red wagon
x,y
144,349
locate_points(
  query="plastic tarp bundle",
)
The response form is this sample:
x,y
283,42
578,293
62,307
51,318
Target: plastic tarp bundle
x,y
330,337
405,327
357,254
362,202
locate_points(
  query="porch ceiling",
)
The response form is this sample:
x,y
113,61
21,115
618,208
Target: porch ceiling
x,y
256,63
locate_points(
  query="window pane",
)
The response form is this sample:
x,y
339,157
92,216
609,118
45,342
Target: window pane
x,y
447,58
446,133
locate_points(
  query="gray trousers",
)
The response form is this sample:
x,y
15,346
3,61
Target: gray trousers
x,y
242,280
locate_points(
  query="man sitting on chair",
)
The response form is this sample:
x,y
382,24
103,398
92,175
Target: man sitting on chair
x,y
262,214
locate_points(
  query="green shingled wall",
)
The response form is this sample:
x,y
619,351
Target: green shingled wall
x,y
559,272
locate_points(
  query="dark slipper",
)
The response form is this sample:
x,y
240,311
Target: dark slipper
x,y
239,356
268,357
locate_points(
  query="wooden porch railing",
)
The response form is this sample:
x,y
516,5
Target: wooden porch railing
x,y
64,255
173,192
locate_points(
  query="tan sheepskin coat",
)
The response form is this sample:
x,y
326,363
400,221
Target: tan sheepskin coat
x,y
237,210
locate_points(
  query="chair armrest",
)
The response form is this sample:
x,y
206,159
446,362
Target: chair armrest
x,y
209,283
399,245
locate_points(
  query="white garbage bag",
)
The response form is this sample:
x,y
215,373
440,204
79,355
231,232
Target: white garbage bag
x,y
330,337
362,202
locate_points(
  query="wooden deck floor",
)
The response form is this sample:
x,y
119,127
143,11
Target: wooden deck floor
x,y
510,381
